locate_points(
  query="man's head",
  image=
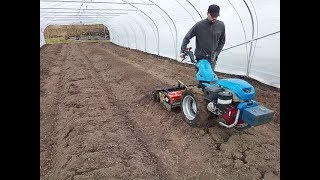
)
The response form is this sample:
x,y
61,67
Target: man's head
x,y
213,12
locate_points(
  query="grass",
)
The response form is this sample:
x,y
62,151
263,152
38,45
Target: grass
x,y
62,40
53,31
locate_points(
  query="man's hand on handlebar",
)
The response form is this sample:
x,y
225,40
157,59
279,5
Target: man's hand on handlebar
x,y
183,56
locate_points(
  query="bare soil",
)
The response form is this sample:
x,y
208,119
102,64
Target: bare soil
x,y
98,121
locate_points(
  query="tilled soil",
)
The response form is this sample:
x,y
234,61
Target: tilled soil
x,y
98,121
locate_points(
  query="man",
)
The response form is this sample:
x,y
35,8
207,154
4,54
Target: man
x,y
210,37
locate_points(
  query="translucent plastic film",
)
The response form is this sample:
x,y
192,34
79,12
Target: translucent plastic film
x,y
252,46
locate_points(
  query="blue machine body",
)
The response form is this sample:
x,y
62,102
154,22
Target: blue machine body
x,y
250,111
241,88
205,72
207,77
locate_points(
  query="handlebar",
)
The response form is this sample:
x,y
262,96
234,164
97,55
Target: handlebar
x,y
189,53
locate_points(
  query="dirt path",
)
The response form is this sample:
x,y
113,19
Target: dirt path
x,y
98,122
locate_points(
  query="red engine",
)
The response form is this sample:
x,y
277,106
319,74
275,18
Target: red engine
x,y
230,115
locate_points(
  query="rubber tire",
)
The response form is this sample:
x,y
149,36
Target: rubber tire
x,y
202,114
155,95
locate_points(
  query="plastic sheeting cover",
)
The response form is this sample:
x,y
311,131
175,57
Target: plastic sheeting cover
x,y
158,27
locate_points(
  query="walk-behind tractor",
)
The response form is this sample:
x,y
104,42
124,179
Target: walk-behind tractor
x,y
230,102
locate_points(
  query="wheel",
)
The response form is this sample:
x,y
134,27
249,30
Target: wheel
x,y
194,108
155,95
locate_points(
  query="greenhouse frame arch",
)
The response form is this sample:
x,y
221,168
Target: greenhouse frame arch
x,y
158,27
